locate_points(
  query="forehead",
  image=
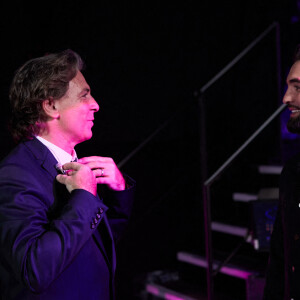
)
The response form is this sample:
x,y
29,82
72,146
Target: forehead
x,y
78,82
294,71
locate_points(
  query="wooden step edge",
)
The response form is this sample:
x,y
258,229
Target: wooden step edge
x,y
270,170
244,197
166,293
200,261
230,229
271,193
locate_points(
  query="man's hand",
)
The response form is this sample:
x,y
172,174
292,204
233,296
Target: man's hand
x,y
105,170
79,176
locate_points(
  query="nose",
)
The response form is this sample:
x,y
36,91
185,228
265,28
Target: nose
x,y
94,105
287,97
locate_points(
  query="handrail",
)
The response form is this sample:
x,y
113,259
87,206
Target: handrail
x,y
206,196
197,93
222,168
210,180
237,58
146,141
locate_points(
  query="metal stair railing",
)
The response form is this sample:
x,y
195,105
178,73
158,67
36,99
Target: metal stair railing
x,y
206,196
207,183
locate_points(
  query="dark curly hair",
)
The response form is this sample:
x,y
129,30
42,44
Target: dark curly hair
x,y
297,53
39,79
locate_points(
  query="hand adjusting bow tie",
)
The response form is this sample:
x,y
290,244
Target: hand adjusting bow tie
x,y
60,169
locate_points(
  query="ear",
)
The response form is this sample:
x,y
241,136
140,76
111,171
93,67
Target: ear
x,y
50,108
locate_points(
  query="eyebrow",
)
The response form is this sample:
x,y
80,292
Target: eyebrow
x,y
85,90
294,80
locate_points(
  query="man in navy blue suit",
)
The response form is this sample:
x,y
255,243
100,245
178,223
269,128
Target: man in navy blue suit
x,y
283,273
57,234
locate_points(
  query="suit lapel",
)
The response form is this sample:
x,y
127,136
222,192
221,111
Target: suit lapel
x,y
42,154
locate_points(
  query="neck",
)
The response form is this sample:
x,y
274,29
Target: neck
x,y
59,140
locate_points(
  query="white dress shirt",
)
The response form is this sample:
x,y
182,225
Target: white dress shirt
x,y
61,155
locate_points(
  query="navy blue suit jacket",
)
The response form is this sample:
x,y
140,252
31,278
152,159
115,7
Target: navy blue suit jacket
x,y
283,273
55,244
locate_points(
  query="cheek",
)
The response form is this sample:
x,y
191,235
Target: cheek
x,y
77,114
75,117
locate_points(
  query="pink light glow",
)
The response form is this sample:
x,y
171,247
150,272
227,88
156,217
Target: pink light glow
x,y
164,293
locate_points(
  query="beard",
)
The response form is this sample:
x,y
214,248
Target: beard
x,y
293,125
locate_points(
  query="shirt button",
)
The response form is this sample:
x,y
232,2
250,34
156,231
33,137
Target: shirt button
x,y
95,221
101,210
93,226
98,216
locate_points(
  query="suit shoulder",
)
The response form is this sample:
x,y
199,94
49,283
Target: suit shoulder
x,y
293,162
18,156
291,169
24,160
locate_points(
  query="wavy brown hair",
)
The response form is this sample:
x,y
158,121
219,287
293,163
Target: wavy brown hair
x,y
297,53
39,79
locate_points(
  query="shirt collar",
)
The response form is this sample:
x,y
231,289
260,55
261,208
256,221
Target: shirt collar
x,y
60,155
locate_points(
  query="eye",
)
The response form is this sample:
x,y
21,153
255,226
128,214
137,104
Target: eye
x,y
297,88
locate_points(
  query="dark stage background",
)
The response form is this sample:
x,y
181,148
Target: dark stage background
x,y
145,60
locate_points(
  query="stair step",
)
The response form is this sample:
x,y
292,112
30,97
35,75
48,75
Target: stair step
x,y
229,229
264,193
244,197
271,170
229,269
169,293
182,290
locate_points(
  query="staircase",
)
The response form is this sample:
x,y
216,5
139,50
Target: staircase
x,y
240,248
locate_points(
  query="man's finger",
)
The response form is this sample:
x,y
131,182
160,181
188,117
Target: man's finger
x,y
98,165
88,159
61,178
102,180
71,166
101,172
71,172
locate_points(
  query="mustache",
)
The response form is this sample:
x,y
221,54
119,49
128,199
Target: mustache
x,y
293,106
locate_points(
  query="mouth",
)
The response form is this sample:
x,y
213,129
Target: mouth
x,y
294,109
295,112
91,123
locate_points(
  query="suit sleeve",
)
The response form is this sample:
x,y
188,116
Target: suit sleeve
x,y
275,276
274,288
39,248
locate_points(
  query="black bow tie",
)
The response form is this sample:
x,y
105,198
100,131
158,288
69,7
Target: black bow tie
x,y
59,167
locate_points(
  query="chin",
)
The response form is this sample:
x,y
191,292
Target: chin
x,y
88,136
293,125
84,138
